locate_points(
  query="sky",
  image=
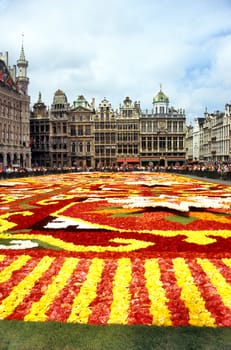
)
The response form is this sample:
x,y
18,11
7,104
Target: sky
x,y
119,48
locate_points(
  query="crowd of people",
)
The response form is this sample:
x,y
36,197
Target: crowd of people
x,y
220,170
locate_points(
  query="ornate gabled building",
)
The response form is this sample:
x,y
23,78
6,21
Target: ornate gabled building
x,y
81,134
59,117
105,133
15,148
162,133
40,134
128,126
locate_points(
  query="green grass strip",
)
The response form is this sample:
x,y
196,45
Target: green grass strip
x,y
18,335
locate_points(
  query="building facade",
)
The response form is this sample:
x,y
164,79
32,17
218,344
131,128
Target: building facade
x,y
40,134
81,134
211,137
15,150
162,134
84,136
128,134
105,135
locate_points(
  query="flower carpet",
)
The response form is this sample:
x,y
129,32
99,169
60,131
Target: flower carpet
x,y
116,248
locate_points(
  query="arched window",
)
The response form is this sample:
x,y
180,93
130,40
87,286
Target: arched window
x,y
73,147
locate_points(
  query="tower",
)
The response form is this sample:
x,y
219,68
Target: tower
x,y
160,103
22,79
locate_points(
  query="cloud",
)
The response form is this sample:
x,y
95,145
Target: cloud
x,y
119,48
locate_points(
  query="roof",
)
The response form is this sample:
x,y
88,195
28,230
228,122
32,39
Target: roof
x,y
160,97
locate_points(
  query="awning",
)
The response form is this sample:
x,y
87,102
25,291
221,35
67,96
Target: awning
x,y
128,160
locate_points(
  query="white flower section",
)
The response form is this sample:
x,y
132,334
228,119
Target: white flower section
x,y
19,244
94,199
173,202
10,184
61,223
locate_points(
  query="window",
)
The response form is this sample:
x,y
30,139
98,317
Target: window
x,y
174,126
124,137
108,138
80,130
149,126
155,143
119,148
80,146
88,130
112,137
143,126
162,143
149,143
174,143
73,130
181,126
88,147
129,112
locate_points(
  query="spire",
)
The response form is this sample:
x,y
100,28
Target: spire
x,y
22,64
40,98
22,53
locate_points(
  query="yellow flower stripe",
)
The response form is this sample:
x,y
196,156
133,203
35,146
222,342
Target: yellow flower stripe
x,y
159,309
198,314
2,257
121,294
223,288
80,309
23,288
39,308
6,274
227,261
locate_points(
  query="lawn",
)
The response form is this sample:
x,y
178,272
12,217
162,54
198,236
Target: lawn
x,y
138,258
